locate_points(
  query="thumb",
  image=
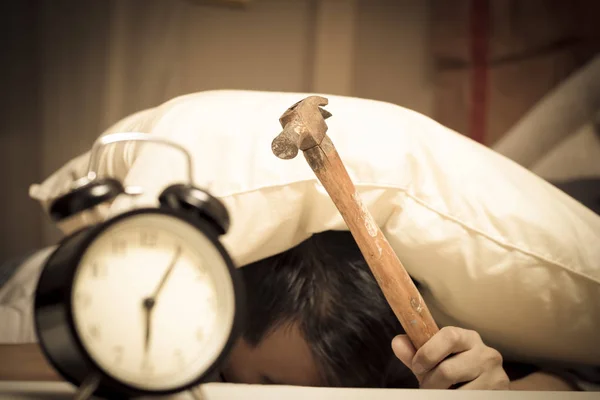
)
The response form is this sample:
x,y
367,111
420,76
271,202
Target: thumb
x,y
404,349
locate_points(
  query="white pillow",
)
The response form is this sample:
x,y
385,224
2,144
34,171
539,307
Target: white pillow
x,y
113,161
497,249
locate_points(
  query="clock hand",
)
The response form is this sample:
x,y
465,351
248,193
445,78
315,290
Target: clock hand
x,y
149,302
167,273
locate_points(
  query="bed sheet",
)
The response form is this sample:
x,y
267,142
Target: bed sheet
x,y
220,391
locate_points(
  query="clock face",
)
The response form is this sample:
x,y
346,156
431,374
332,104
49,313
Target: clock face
x,y
153,302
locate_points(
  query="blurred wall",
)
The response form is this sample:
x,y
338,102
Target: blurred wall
x,y
529,47
79,66
20,128
72,68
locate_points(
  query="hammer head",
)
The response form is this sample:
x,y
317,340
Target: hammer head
x,y
303,125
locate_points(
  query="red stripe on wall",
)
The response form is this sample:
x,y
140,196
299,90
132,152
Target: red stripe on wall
x,y
479,49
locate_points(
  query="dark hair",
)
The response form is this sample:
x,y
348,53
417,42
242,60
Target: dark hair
x,y
325,287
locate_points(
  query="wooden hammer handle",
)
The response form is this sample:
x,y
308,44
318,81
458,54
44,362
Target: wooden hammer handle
x,y
395,283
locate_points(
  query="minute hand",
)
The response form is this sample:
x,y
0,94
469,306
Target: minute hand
x,y
162,282
150,302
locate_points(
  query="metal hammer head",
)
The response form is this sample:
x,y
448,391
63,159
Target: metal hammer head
x,y
303,125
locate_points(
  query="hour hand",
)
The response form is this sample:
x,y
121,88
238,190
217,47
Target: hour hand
x,y
148,305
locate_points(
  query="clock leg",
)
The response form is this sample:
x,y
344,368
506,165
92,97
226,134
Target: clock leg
x,y
196,393
88,387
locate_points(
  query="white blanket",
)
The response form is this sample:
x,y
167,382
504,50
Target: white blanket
x,y
16,300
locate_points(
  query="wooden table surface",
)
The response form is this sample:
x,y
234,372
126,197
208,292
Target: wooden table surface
x,y
25,362
25,374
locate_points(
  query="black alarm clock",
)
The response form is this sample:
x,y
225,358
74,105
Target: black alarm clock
x,y
145,303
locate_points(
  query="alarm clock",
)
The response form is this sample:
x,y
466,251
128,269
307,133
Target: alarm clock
x,y
145,303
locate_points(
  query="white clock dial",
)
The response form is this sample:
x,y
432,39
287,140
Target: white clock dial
x,y
153,302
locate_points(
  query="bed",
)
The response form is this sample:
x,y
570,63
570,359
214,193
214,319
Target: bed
x,y
444,208
59,391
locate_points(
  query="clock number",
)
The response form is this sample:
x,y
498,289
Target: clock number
x,y
200,334
148,239
212,303
178,354
98,270
83,300
94,332
119,247
118,350
202,276
147,367
201,269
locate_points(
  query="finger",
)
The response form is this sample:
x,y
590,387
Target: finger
x,y
493,380
460,368
403,349
449,340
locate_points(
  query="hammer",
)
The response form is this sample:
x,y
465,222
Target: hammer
x,y
304,128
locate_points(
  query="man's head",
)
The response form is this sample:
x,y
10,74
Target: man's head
x,y
316,317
